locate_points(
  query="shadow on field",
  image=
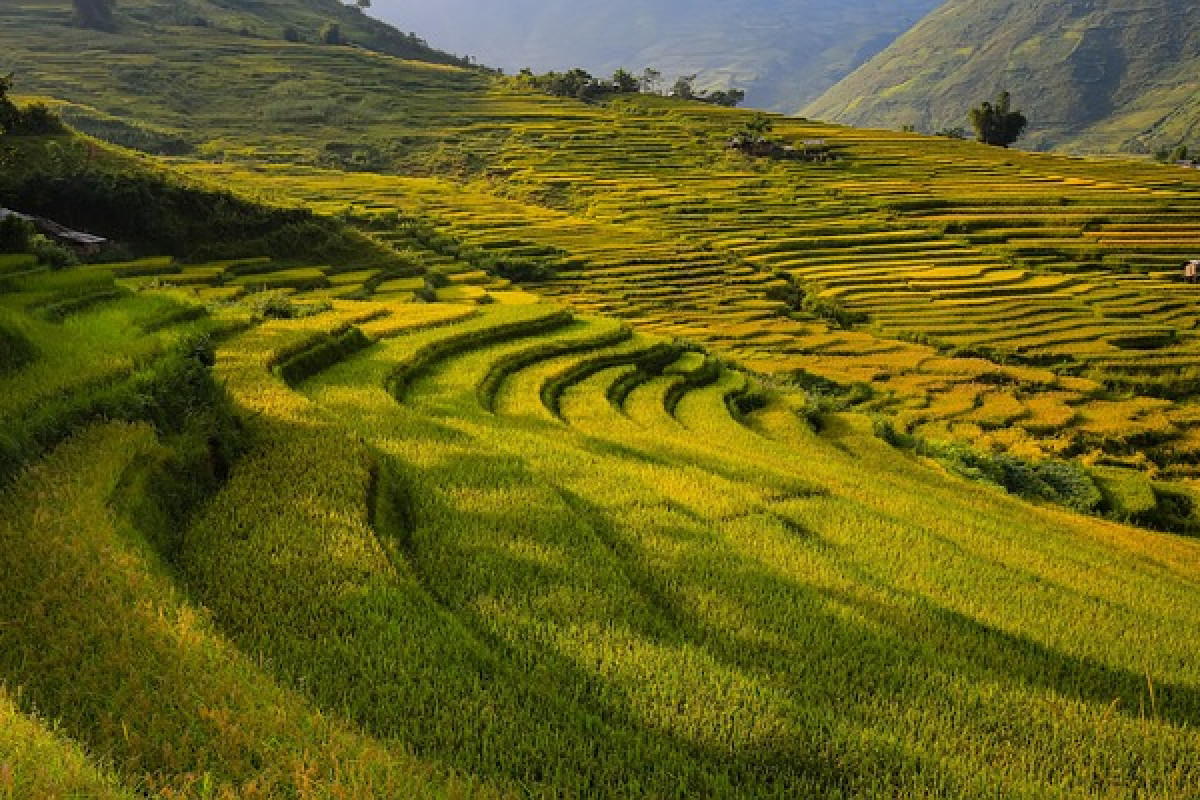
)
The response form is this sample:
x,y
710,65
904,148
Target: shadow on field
x,y
524,632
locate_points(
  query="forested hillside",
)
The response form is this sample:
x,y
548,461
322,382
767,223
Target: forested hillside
x,y
1097,76
784,53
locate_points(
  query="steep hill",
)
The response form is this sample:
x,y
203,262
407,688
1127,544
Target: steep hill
x,y
784,53
1102,76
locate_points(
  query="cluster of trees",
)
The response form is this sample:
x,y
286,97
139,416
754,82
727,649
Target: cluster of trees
x,y
156,213
97,14
34,119
685,89
1176,155
581,84
998,124
755,131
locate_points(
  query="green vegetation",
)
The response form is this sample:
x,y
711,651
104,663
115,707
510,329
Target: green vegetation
x,y
998,124
631,589
150,209
36,119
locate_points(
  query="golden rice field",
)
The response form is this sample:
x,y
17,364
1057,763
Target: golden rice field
x,y
940,255
514,550
957,266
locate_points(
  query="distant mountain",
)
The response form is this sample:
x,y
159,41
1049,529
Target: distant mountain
x,y
1090,74
783,52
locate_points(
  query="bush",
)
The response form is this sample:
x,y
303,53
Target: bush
x,y
176,393
331,33
164,216
1064,483
833,312
51,253
16,350
15,235
37,119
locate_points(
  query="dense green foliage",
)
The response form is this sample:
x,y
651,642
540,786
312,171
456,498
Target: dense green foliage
x,y
15,234
174,392
998,124
34,120
158,212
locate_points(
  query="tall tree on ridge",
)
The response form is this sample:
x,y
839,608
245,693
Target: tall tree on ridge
x,y
998,125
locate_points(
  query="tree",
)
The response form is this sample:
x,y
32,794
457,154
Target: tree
x,y
576,82
95,14
9,115
730,98
650,80
623,81
363,5
331,33
759,126
998,125
685,87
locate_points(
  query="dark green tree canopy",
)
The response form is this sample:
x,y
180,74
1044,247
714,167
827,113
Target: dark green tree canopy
x,y
331,33
624,81
8,112
685,87
998,124
34,119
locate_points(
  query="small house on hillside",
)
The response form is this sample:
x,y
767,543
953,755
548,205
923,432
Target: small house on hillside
x,y
83,244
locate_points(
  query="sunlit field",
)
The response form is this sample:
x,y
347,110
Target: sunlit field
x,y
612,463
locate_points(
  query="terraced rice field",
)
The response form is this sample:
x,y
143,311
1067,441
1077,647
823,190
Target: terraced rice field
x,y
581,535
1058,270
513,549
931,242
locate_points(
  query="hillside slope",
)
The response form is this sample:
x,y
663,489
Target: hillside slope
x,y
1104,76
510,550
720,501
783,53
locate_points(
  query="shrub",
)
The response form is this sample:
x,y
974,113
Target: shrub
x,y
51,253
176,393
331,33
166,216
16,350
35,120
15,234
1064,483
